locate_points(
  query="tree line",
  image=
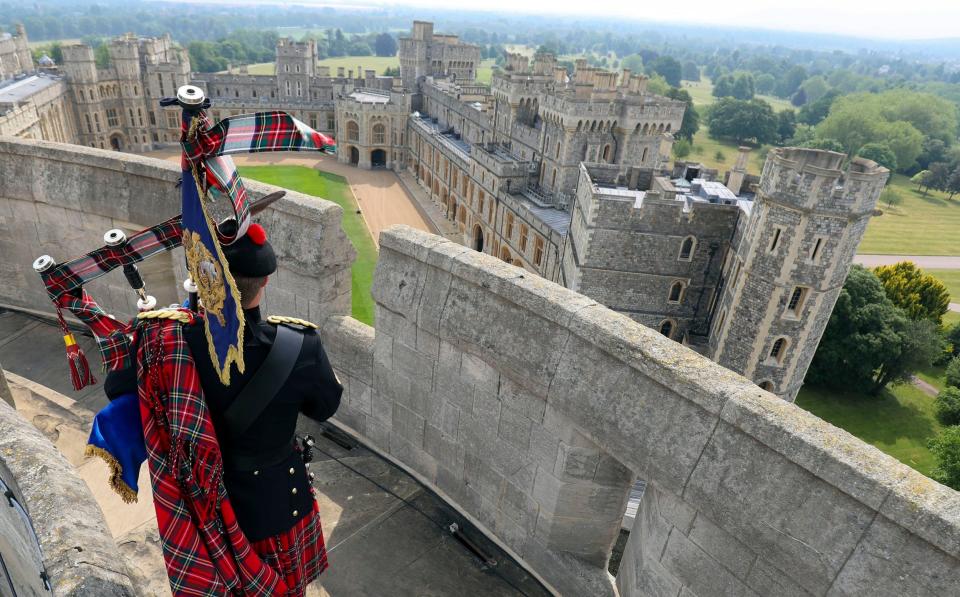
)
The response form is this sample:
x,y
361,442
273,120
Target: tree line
x,y
887,325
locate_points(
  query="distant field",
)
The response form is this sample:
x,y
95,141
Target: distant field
x,y
47,42
485,71
705,151
920,225
378,63
702,93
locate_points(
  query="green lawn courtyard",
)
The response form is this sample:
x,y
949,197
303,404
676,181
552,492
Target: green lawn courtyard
x,y
899,421
332,188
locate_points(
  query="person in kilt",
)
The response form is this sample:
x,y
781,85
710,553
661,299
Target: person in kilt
x,y
254,418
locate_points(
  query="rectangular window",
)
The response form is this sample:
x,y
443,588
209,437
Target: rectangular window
x,y
160,80
797,298
509,232
96,121
173,120
140,115
153,118
719,327
538,251
89,128
112,119
775,240
816,250
480,207
523,238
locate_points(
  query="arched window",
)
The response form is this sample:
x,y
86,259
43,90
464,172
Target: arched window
x,y
766,385
606,153
646,129
676,292
379,133
686,248
666,328
668,127
778,350
353,131
643,158
557,156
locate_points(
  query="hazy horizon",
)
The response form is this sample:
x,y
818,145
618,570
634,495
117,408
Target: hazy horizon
x,y
874,19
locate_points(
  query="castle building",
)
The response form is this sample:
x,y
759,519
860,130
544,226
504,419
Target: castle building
x,y
565,174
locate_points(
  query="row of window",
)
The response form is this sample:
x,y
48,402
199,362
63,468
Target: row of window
x,y
814,254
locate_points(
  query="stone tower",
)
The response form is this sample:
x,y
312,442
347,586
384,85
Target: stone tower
x,y
296,64
789,262
80,69
414,54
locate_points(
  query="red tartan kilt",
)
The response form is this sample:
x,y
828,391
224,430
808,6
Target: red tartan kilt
x,y
298,555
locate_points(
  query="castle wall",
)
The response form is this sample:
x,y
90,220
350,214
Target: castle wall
x,y
59,200
75,546
531,409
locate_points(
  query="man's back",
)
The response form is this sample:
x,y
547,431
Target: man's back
x,y
264,476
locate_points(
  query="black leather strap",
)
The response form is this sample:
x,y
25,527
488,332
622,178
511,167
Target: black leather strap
x,y
266,382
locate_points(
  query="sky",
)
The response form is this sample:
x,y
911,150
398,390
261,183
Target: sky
x,y
888,19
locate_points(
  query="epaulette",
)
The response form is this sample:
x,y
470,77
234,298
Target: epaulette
x,y
177,314
291,321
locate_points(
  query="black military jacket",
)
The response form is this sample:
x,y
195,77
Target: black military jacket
x,y
265,478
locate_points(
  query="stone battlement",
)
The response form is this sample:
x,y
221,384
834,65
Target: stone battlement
x,y
532,409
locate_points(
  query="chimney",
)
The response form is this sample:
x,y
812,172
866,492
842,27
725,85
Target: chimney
x,y
735,177
559,75
340,71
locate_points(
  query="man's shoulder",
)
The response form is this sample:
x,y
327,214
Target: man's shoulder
x,y
294,323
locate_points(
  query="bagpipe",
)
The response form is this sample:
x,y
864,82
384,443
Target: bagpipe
x,y
209,180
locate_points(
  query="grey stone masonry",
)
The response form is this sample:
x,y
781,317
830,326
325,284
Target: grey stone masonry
x,y
59,200
533,409
79,554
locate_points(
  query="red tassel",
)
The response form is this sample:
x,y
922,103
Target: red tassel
x,y
80,373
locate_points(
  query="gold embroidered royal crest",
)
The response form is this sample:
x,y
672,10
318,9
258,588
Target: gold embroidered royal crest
x,y
206,274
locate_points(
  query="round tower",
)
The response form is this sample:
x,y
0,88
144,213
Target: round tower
x,y
789,262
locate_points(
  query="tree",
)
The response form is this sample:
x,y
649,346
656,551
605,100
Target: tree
x,y
723,86
932,150
953,183
742,120
939,175
681,148
952,337
813,113
669,68
765,83
385,45
825,143
814,88
881,154
786,125
743,86
920,295
854,124
691,118
946,450
947,405
890,197
691,72
952,374
861,335
799,98
922,180
920,344
790,81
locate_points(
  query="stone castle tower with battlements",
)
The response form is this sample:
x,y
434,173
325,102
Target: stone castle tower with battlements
x,y
564,174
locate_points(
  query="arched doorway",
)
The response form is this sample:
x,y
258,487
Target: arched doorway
x,y
478,238
354,156
505,255
378,158
116,142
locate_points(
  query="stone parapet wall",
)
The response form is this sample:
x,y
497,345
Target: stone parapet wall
x,y
78,551
59,199
533,408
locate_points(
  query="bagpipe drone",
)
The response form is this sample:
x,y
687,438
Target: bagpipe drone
x,y
166,422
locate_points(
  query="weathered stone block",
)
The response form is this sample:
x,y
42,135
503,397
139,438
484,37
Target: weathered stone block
x,y
515,428
577,462
722,547
698,571
408,425
765,579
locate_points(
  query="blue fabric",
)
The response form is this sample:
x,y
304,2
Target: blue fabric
x,y
117,430
209,269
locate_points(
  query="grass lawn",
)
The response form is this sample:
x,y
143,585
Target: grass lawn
x,y
899,421
950,277
702,93
485,71
920,225
333,188
705,150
